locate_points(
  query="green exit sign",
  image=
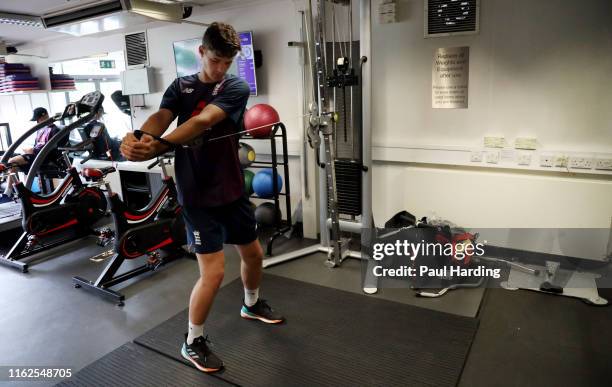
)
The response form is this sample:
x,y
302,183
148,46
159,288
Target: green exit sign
x,y
107,64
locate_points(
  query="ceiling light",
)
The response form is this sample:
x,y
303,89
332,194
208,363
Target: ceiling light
x,y
20,20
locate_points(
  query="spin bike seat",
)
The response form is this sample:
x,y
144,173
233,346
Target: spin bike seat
x,y
96,174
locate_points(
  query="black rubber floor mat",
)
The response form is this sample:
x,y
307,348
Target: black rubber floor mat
x,y
331,337
534,339
132,365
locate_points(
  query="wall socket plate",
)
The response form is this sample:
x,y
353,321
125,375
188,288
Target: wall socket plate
x,y
492,157
581,162
547,160
603,164
524,159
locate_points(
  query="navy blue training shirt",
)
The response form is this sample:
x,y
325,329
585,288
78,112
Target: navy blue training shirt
x,y
208,174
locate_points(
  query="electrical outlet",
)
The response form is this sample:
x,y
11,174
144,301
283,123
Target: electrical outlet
x,y
576,162
547,160
492,157
560,161
476,157
524,159
581,162
605,164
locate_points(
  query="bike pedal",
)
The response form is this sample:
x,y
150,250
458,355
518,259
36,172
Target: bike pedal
x,y
102,256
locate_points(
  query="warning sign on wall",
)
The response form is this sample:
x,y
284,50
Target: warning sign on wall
x,y
450,76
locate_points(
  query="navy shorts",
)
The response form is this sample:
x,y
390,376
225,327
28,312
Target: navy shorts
x,y
209,228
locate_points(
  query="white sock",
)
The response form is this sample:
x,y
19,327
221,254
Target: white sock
x,y
251,296
194,332
8,190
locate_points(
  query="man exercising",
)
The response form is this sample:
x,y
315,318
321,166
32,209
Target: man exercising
x,y
209,104
25,160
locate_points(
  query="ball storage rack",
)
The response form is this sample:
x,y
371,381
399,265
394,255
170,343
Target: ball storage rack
x,y
281,226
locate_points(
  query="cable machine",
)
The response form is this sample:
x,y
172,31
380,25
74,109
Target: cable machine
x,y
338,127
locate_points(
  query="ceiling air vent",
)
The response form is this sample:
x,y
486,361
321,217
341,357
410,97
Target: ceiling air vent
x,y
80,13
136,50
451,17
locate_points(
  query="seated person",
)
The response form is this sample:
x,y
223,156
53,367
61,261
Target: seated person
x,y
104,147
24,161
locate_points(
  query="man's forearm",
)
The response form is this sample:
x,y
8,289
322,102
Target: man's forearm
x,y
155,124
188,131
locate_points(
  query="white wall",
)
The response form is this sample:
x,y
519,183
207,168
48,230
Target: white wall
x,y
536,68
485,198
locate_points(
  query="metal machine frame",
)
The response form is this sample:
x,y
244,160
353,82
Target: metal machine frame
x,y
321,129
138,233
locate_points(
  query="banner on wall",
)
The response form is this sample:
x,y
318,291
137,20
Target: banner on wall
x,y
450,77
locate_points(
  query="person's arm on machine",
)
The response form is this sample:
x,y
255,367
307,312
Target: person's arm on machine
x,y
196,126
156,125
191,129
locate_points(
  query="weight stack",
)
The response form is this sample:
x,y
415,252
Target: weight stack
x,y
348,186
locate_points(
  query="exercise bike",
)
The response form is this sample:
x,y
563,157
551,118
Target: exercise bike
x,y
66,214
157,226
53,167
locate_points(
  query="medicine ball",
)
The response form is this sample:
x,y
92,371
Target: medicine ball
x,y
263,183
266,214
262,117
246,154
248,182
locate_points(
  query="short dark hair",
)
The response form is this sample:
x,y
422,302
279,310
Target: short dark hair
x,y
222,39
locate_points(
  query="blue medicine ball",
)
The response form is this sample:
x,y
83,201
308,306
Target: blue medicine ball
x,y
263,183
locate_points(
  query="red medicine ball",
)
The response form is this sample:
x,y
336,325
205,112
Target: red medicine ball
x,y
262,117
